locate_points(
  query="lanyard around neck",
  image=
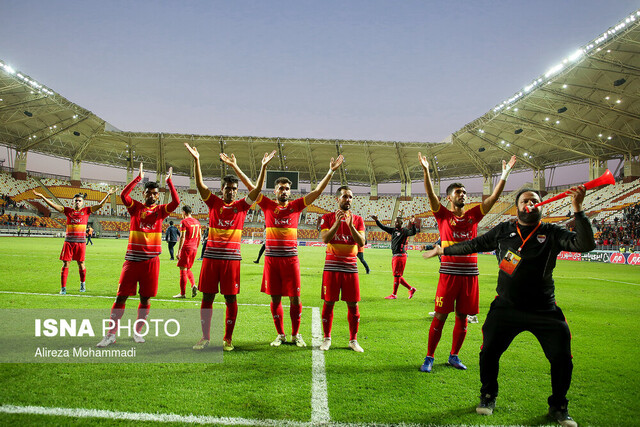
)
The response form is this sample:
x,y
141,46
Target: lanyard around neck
x,y
530,234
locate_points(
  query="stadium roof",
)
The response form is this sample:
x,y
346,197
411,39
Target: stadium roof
x,y
586,107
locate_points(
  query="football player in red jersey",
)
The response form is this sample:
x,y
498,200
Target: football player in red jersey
x,y
75,244
458,284
141,265
220,271
187,250
281,275
343,232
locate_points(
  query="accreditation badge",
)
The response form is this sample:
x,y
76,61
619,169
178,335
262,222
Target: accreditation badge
x,y
510,262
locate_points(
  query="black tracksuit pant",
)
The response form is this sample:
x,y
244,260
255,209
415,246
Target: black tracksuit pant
x,y
549,326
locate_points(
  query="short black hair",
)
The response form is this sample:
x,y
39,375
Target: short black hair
x,y
186,209
150,185
229,179
342,187
453,186
81,195
283,180
170,222
526,190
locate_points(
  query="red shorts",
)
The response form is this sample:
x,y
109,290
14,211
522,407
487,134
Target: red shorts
x,y
281,276
397,265
144,272
463,290
333,282
186,257
73,251
225,272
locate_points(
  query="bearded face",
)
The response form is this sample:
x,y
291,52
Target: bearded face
x,y
527,213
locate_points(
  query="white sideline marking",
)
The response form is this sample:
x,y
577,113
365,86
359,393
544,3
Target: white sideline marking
x,y
174,418
142,416
319,400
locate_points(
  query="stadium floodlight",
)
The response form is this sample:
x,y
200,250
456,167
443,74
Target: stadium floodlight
x,y
576,55
546,119
554,70
606,97
564,86
557,122
618,101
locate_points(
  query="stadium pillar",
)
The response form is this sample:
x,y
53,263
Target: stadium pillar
x,y
539,182
373,193
405,190
75,173
20,166
487,186
631,168
596,168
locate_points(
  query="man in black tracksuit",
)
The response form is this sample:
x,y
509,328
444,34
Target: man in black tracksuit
x,y
527,249
399,238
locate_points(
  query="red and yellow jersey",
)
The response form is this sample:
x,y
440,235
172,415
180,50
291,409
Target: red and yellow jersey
x,y
77,224
281,226
342,250
190,229
454,229
145,231
225,227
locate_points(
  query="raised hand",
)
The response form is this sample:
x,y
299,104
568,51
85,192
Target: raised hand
x,y
169,173
374,217
141,173
432,252
267,157
423,161
193,151
577,197
35,193
111,191
229,160
335,164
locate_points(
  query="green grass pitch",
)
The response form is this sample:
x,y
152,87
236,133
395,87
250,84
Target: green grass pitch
x,y
381,385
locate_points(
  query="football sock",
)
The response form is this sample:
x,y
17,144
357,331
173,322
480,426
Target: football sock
x,y
192,280
117,310
143,313
435,332
232,313
63,277
459,333
296,314
404,283
183,281
83,274
396,283
327,319
277,313
353,316
206,312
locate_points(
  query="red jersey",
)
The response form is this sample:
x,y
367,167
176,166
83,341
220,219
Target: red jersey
x,y
77,224
454,229
225,227
190,229
145,228
281,226
342,250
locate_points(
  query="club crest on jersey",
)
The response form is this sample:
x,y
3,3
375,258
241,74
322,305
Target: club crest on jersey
x,y
276,211
541,238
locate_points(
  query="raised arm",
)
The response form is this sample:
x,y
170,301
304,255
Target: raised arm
x,y
333,166
412,230
382,226
202,189
53,205
231,162
434,202
175,199
126,191
582,240
488,203
97,207
255,192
